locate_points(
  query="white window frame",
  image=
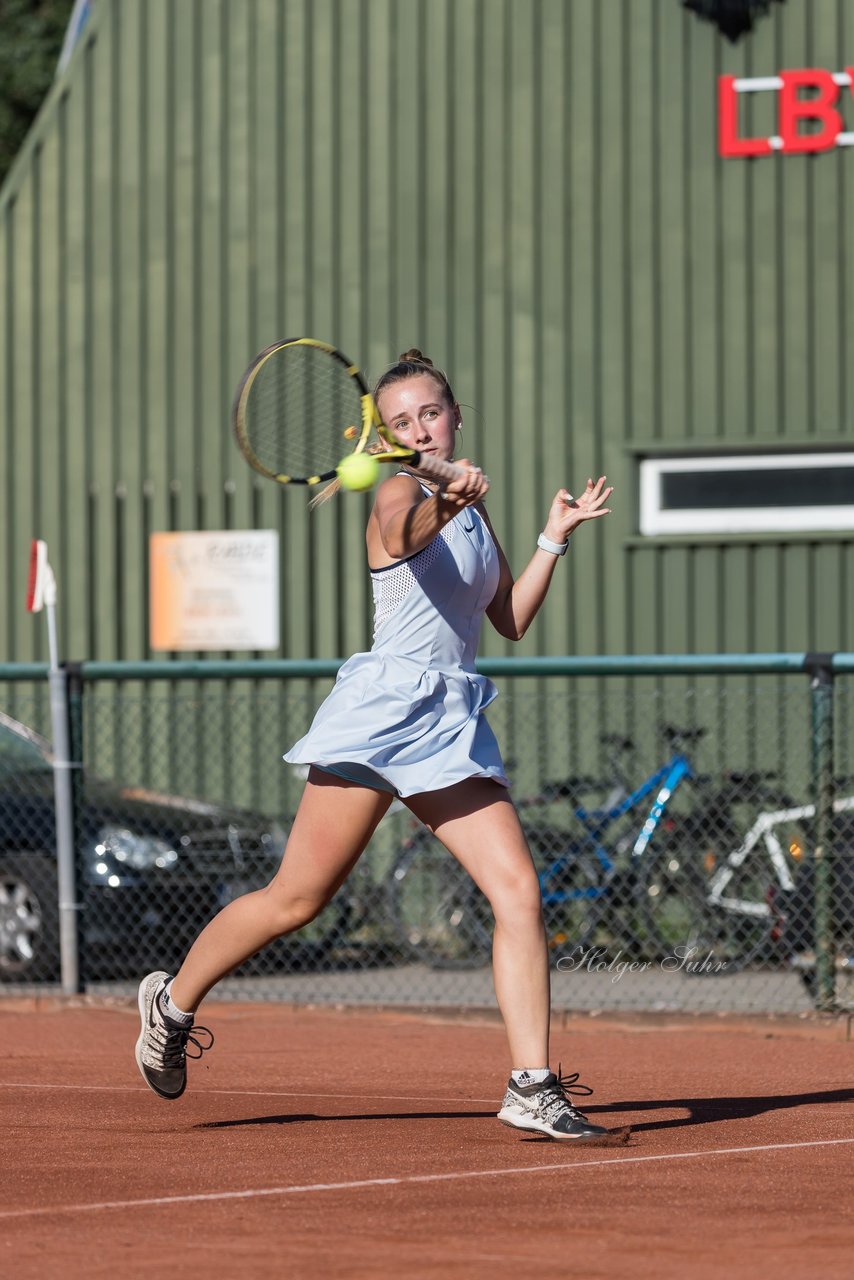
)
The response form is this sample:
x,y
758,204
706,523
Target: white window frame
x,y
738,519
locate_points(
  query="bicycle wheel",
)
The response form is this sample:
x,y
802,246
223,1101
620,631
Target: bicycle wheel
x,y
800,940
572,891
440,915
713,896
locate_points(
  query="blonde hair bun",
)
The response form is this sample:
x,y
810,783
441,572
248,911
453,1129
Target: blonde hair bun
x,y
413,363
413,354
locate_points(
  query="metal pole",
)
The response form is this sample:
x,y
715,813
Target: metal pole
x,y
74,686
63,767
821,686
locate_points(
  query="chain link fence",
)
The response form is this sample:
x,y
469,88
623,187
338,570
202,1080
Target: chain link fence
x,y
693,833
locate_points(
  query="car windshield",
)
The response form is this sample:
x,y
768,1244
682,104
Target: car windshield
x,y
19,751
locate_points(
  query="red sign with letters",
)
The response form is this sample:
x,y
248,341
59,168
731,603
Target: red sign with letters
x,y
821,108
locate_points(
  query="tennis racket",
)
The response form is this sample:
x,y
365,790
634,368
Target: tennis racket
x,y
302,407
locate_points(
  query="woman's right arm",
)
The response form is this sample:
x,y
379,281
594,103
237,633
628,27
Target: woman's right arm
x,y
405,521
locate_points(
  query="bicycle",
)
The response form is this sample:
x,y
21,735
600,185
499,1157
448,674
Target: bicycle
x,y
785,914
707,891
628,888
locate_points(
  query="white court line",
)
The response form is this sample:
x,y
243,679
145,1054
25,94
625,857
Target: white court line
x,y
408,1180
251,1093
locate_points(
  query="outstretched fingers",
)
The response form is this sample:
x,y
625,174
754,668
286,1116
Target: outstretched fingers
x,y
590,504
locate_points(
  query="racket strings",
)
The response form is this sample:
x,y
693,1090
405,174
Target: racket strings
x,y
302,413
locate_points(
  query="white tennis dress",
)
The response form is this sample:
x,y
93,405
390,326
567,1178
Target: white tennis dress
x,y
407,717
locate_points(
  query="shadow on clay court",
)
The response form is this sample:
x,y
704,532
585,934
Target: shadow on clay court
x,y
714,1110
700,1111
375,1115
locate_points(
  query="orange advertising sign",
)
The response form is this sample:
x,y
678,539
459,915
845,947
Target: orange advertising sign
x,y
214,590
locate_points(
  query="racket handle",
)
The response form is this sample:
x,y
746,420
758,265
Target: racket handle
x,y
438,468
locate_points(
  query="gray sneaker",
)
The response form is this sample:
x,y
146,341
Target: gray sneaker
x,y
161,1050
545,1108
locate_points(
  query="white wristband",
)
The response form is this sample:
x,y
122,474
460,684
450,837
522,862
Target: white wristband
x,y
554,548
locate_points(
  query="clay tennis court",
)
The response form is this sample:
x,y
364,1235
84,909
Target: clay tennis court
x,y
316,1142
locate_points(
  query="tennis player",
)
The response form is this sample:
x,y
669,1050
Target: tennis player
x,y
407,719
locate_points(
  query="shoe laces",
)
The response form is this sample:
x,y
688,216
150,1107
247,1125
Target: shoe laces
x,y
555,1099
176,1045
172,1041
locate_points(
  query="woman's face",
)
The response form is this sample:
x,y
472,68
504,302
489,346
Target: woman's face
x,y
418,414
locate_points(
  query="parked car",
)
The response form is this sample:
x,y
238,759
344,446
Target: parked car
x,y
152,869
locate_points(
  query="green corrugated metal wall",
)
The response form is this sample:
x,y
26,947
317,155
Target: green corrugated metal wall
x,y
527,189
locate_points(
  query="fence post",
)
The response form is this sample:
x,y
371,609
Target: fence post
x,y
73,672
65,765
820,667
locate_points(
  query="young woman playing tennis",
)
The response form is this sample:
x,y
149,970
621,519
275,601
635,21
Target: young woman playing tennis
x,y
406,719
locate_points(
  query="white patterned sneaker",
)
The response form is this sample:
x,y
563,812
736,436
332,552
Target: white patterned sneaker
x,y
161,1050
545,1108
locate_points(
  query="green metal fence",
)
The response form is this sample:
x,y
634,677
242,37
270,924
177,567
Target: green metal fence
x,y
731,887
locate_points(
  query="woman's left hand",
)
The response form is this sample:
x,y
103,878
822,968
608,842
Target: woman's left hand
x,y
567,512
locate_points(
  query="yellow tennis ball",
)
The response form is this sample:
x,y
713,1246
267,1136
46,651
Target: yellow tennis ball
x,y
358,471
350,433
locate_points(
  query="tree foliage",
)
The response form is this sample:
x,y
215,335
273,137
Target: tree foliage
x,y
31,35
734,18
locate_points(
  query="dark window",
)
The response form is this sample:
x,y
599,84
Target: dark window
x,y
777,487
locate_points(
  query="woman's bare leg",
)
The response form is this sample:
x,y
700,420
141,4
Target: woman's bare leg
x,y
334,823
477,822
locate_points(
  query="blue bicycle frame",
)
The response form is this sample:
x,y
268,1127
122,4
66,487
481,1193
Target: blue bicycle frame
x,y
596,821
